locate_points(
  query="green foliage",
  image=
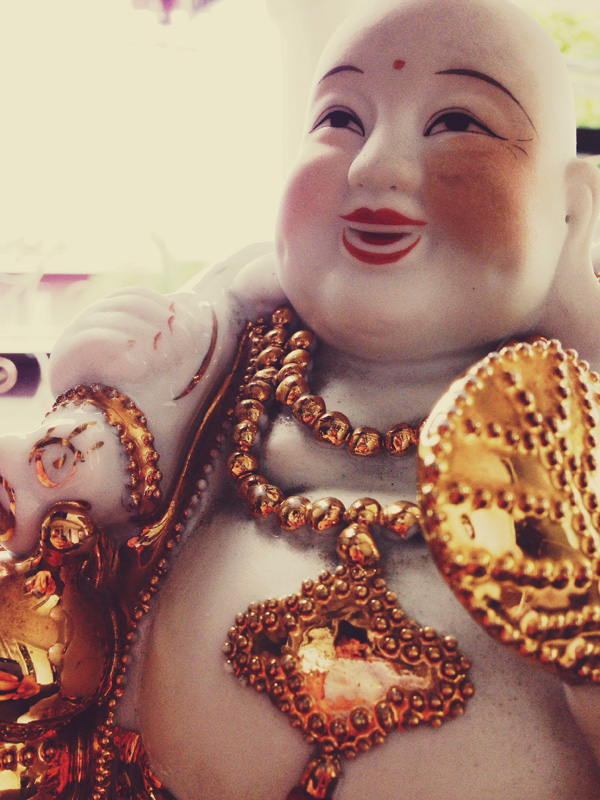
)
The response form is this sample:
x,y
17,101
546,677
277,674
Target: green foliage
x,y
578,36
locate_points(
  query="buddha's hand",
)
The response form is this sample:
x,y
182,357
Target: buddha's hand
x,y
510,494
74,454
135,338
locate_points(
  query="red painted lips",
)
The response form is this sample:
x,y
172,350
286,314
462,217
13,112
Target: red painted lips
x,y
378,238
383,216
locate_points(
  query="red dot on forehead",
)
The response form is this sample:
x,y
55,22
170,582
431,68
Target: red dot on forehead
x,y
398,64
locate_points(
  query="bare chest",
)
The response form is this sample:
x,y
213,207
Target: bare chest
x,y
210,736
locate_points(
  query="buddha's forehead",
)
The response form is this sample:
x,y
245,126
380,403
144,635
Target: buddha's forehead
x,y
493,37
429,31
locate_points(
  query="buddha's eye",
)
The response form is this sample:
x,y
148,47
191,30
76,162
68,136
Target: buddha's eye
x,y
340,118
456,121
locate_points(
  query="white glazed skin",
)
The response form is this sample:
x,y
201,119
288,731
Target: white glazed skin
x,y
393,338
209,736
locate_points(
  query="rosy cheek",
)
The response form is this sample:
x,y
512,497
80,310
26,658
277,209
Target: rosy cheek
x,y
477,200
312,196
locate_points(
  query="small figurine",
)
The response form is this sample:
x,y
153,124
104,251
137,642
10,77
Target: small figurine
x,y
248,450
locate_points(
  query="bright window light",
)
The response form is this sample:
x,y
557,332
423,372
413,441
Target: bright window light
x,y
123,138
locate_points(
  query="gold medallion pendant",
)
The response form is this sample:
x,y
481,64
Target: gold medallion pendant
x,y
346,665
510,495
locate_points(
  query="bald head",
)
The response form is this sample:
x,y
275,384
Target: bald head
x,y
491,37
437,182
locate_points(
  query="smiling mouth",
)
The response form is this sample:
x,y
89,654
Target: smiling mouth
x,y
379,244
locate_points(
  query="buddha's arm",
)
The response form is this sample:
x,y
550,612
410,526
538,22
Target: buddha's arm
x,y
162,355
140,364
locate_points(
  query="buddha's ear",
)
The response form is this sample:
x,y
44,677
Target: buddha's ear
x,y
583,202
571,312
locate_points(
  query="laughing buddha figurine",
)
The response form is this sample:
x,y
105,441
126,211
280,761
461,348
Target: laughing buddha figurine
x,y
262,537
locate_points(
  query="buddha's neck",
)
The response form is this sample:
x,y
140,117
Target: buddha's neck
x,y
382,394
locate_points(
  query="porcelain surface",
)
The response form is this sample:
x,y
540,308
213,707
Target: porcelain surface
x,y
436,208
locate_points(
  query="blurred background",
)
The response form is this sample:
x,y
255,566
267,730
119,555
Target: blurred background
x,y
142,140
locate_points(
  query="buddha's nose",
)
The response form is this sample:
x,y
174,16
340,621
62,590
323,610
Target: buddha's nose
x,y
384,164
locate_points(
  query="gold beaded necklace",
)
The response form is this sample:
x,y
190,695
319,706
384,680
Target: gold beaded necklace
x,y
279,371
282,366
346,616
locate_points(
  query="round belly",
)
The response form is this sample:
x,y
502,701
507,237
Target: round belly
x,y
209,736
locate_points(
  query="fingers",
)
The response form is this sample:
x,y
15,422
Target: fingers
x,y
28,688
14,688
113,339
122,338
8,682
140,304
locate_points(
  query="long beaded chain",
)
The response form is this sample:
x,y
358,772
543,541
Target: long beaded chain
x,y
278,371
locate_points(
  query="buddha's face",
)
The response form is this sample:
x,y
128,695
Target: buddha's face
x,y
426,212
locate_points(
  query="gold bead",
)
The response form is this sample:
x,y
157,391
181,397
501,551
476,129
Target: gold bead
x,y
322,773
365,442
355,545
248,481
293,512
298,356
282,316
268,374
240,463
290,389
269,357
290,369
303,340
276,336
365,511
250,409
400,516
245,435
308,408
333,427
263,499
258,390
28,756
400,439
325,513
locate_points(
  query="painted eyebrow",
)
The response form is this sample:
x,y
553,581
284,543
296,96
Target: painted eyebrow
x,y
341,68
472,73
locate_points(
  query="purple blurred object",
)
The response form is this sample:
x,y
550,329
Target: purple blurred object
x,y
167,6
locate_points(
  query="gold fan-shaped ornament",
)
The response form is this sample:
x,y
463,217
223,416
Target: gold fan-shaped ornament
x,y
510,486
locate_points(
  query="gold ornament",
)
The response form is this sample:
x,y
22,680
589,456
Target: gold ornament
x,y
85,601
207,358
281,368
7,515
70,461
510,487
59,643
264,383
132,428
295,649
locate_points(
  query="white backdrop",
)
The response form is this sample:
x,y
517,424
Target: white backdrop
x,y
119,134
